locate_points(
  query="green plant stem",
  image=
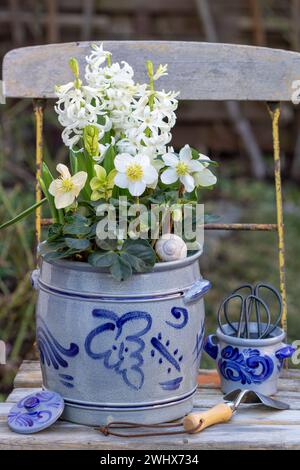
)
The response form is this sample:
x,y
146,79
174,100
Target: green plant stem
x,y
151,97
52,207
20,216
45,182
61,216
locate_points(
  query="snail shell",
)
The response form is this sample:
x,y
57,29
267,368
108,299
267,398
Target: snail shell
x,y
170,247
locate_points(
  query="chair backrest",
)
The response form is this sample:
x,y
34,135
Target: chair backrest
x,y
200,71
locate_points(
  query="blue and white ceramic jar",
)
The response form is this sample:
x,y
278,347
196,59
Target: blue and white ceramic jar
x,y
252,364
125,351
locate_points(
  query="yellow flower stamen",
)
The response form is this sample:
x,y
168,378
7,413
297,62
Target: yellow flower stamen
x,y
182,169
134,172
67,184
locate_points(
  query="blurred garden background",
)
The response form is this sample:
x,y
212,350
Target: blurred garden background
x,y
237,136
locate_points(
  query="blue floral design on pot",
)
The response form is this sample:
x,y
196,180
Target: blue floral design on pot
x,y
123,334
199,342
172,384
210,347
248,366
179,313
53,353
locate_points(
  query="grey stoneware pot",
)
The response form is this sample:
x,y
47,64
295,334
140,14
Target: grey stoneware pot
x,y
121,351
252,364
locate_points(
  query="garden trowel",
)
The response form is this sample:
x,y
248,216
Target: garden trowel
x,y
221,413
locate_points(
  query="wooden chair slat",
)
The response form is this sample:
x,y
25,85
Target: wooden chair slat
x,y
200,71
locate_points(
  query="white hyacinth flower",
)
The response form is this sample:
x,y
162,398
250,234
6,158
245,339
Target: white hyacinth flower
x,y
98,56
78,108
189,172
134,173
66,188
147,119
161,71
126,146
115,75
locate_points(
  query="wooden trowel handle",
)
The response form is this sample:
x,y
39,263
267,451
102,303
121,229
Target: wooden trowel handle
x,y
220,413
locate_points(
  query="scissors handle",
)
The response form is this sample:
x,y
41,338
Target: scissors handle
x,y
223,309
248,303
268,287
257,301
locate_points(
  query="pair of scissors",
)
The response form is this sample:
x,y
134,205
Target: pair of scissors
x,y
253,300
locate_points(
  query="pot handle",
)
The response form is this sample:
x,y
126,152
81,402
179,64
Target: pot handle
x,y
211,346
198,290
34,278
285,352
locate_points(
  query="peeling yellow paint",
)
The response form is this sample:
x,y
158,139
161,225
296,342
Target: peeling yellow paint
x,y
38,106
274,110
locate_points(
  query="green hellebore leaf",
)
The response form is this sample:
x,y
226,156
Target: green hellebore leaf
x,y
78,243
102,260
52,255
54,232
52,246
76,225
120,269
136,255
136,263
141,249
108,244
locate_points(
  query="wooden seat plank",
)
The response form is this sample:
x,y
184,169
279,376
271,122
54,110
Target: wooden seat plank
x,y
252,427
224,436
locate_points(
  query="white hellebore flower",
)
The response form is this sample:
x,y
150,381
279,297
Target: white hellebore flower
x,y
66,188
204,177
190,172
134,173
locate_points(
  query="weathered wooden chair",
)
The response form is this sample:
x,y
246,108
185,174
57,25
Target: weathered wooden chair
x,y
200,71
